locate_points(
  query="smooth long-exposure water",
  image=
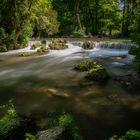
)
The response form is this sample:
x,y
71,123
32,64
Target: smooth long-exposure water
x,y
45,83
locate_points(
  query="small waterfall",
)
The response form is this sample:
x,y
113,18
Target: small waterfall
x,y
116,46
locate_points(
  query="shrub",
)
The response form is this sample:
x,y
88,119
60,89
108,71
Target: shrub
x,y
9,121
72,132
3,48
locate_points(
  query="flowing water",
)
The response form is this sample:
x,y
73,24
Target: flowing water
x,y
48,83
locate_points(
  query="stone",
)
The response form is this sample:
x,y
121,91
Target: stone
x,y
55,133
87,45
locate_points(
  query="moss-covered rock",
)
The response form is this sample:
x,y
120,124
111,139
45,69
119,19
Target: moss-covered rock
x,y
86,65
97,74
42,50
95,71
88,45
59,44
26,54
35,46
9,122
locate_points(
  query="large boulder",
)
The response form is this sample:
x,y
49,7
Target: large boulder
x,y
55,133
88,45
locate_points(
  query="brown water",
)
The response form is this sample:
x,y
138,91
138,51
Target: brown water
x,y
49,83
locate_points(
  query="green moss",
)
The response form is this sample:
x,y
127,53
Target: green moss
x,y
97,74
59,44
86,65
35,46
42,50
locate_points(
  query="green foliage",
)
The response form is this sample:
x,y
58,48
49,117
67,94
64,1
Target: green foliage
x,y
72,132
29,136
129,135
78,33
9,121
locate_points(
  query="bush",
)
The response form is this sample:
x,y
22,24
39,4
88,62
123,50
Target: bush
x,y
9,121
3,48
72,132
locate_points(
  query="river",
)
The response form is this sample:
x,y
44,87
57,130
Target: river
x,y
100,110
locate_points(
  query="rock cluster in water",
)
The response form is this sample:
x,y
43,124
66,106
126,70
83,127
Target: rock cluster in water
x,y
94,70
88,45
58,44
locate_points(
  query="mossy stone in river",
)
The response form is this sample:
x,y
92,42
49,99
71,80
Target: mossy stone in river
x,y
42,50
59,44
97,74
86,65
87,45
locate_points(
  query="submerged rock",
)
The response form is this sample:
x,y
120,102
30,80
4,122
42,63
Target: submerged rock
x,y
88,45
55,133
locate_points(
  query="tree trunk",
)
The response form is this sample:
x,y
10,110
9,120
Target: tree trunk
x,y
77,15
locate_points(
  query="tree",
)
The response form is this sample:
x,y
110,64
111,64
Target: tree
x,y
18,19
